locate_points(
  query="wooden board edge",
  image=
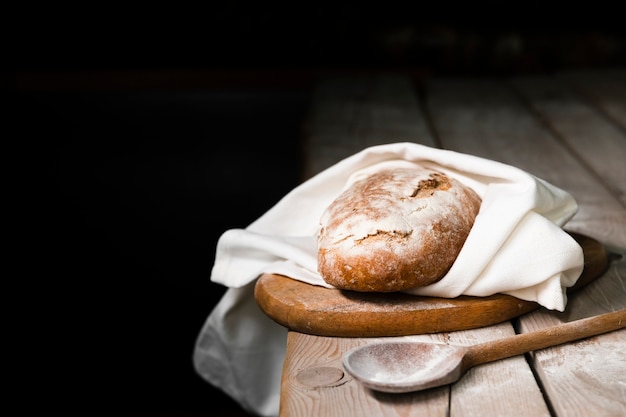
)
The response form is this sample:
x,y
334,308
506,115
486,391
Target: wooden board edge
x,y
461,313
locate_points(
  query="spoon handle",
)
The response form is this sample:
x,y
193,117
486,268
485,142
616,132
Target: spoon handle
x,y
539,339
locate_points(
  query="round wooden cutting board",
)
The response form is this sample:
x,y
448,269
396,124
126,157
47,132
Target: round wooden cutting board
x,y
331,312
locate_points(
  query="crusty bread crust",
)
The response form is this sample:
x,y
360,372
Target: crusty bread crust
x,y
396,229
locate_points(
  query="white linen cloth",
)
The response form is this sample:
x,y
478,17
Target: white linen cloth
x,y
517,246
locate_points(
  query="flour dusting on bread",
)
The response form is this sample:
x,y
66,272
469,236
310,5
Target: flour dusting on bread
x,y
395,229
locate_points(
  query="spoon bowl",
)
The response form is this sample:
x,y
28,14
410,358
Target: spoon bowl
x,y
406,366
391,367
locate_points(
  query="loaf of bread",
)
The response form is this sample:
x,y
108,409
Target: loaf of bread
x,y
395,229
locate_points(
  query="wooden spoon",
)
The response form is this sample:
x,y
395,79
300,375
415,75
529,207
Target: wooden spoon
x,y
414,366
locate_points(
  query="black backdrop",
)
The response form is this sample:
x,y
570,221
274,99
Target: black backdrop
x,y
129,194
477,37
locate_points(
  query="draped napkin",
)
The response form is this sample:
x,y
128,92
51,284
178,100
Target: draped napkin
x,y
516,246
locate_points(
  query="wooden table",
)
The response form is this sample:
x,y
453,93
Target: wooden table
x,y
568,128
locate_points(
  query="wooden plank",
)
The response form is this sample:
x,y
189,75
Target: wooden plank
x,y
315,384
590,136
596,365
605,88
585,377
503,388
471,116
582,378
349,114
486,119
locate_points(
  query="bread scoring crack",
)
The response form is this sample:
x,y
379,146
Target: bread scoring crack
x,y
435,182
386,234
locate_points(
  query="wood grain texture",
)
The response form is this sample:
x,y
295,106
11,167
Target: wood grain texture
x,y
503,388
595,139
346,396
604,88
546,139
488,118
595,366
349,114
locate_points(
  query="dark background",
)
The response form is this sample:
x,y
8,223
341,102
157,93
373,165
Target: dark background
x,y
141,135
